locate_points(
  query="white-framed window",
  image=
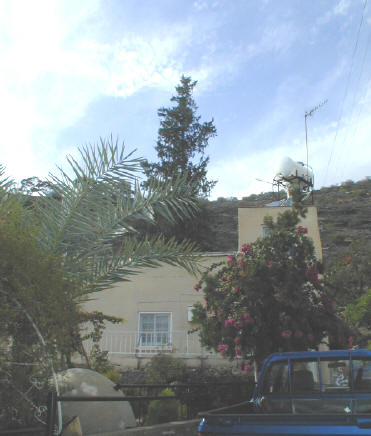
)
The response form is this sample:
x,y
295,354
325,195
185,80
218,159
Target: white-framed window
x,y
190,313
265,231
154,329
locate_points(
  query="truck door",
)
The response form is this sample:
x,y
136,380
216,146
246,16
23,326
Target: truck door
x,y
362,384
336,385
273,397
305,386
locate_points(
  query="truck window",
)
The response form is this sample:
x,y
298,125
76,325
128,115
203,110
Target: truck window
x,y
335,375
276,378
362,383
362,374
304,376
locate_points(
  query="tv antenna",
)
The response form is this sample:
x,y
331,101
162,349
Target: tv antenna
x,y
310,114
264,181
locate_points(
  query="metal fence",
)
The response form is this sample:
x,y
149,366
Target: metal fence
x,y
194,397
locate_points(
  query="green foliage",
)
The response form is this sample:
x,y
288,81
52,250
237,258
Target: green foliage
x,y
33,289
197,228
160,411
216,388
182,139
348,277
359,314
113,375
33,185
164,369
93,219
40,316
268,297
79,240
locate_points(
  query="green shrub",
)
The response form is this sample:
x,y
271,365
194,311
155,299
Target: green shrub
x,y
160,411
113,375
164,369
338,238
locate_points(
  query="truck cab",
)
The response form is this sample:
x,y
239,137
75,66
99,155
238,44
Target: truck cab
x,y
315,382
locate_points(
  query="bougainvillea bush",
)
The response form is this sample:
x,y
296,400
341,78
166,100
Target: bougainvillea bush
x,y
268,297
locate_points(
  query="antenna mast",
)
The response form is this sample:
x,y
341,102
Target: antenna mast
x,y
309,114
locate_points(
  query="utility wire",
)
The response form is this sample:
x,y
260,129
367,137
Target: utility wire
x,y
345,92
356,93
361,107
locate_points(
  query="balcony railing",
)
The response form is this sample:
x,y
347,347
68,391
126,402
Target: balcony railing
x,y
142,343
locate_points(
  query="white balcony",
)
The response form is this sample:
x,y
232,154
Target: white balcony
x,y
132,343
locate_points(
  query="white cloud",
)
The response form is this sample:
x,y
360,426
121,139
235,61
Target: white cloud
x,y
200,5
342,7
50,72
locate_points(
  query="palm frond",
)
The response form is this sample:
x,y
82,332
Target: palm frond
x,y
6,184
106,172
113,265
101,203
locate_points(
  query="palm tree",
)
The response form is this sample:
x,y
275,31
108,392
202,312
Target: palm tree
x,y
94,224
95,217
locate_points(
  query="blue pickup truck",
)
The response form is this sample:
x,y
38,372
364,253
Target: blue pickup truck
x,y
302,393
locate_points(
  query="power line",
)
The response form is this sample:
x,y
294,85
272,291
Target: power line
x,y
356,93
345,92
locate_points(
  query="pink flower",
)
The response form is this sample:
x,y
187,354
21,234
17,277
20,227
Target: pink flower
x,y
236,289
247,368
228,322
237,352
223,279
247,318
222,348
246,249
230,258
270,264
302,230
206,303
238,324
277,296
286,334
298,334
236,340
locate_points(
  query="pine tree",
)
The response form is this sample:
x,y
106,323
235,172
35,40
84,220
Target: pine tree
x,y
182,140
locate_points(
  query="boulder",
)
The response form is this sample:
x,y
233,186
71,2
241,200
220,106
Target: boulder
x,y
98,417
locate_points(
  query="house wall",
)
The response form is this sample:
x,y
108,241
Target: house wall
x,y
163,289
169,289
250,223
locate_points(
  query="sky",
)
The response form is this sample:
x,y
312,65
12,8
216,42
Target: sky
x,y
72,72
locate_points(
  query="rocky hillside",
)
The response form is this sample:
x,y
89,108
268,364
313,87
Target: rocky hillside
x,y
344,214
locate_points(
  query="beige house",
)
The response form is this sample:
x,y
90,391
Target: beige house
x,y
157,303
157,307
250,224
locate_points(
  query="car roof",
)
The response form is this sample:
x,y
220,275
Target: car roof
x,y
337,354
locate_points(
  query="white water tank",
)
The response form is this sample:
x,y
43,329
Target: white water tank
x,y
289,170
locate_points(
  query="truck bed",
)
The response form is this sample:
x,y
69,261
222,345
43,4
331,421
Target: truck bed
x,y
228,421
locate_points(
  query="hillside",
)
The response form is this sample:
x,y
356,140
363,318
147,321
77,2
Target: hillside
x,y
344,214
